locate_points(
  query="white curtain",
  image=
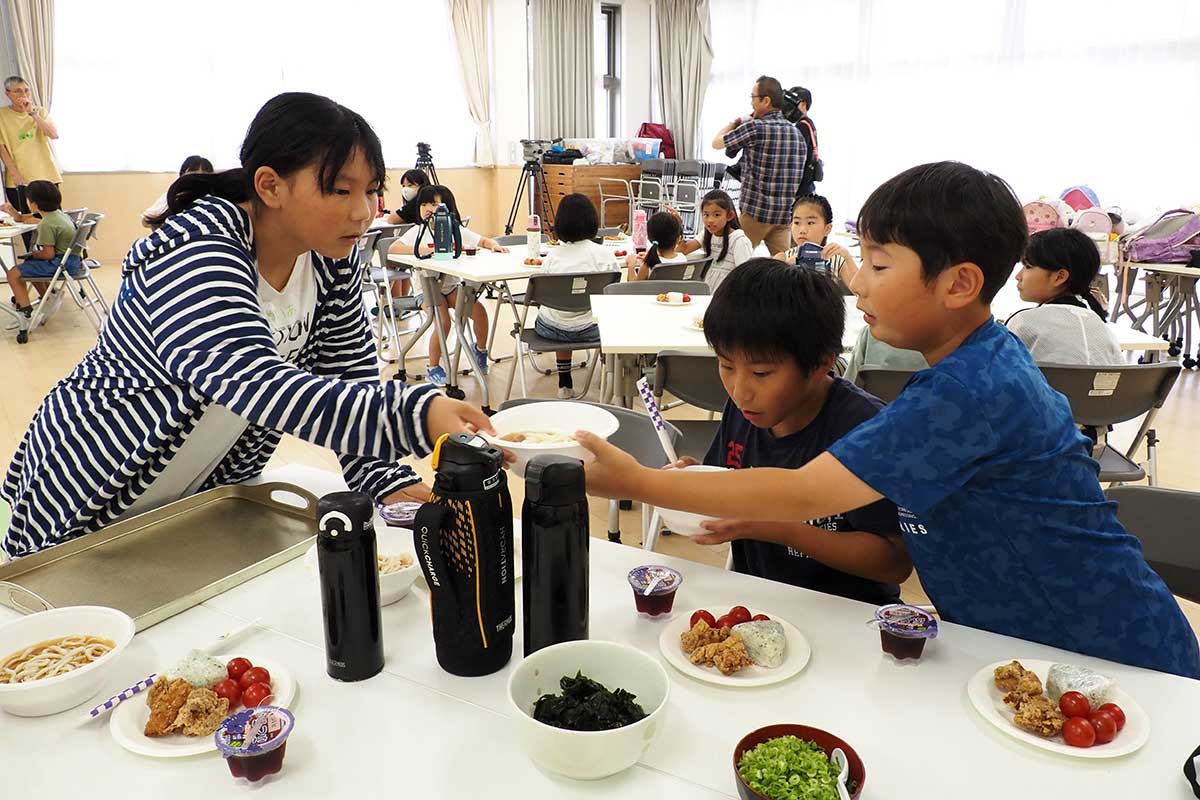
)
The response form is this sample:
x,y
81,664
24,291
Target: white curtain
x,y
33,36
141,88
1044,94
469,20
563,79
684,62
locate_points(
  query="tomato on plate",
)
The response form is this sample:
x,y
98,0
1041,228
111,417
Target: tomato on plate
x,y
255,694
703,615
740,613
760,618
237,666
726,622
230,690
1105,725
252,676
1074,704
1116,713
1078,732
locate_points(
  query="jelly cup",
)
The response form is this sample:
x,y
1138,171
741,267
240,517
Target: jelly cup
x,y
254,741
469,251
903,630
662,597
400,514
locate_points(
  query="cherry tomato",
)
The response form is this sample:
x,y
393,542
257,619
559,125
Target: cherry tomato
x,y
1105,725
726,622
1078,732
237,666
760,618
687,298
620,254
255,694
1116,713
230,690
254,675
740,613
1074,704
703,615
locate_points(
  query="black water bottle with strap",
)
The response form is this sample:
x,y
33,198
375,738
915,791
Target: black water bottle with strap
x,y
464,543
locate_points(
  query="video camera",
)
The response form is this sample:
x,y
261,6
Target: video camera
x,y
810,255
424,151
534,149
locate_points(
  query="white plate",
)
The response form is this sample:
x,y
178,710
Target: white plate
x,y
988,701
795,658
658,302
691,327
129,719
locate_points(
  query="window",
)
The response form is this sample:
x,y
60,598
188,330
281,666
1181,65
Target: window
x,y
141,89
608,102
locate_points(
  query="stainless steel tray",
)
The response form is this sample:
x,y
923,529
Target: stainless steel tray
x,y
157,564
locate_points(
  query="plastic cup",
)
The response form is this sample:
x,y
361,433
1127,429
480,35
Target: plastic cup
x,y
254,741
662,598
903,630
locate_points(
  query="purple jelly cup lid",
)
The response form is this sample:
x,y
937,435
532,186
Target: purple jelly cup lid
x,y
399,515
253,731
641,577
907,621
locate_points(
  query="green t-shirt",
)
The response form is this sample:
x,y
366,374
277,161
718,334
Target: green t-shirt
x,y
56,229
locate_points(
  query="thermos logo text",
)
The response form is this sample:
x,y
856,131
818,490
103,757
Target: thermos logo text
x,y
433,576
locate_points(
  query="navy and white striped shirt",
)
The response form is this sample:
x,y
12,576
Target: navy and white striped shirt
x,y
186,331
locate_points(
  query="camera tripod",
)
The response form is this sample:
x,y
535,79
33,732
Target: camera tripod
x,y
532,171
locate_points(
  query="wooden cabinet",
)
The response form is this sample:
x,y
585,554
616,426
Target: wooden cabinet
x,y
565,179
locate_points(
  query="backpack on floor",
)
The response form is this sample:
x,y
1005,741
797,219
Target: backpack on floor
x,y
1170,239
1041,215
1094,222
1080,197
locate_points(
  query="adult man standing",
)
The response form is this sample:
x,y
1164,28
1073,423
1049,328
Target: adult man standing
x,y
25,134
772,165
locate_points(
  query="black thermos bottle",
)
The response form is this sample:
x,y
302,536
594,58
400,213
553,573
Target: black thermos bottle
x,y
346,554
554,541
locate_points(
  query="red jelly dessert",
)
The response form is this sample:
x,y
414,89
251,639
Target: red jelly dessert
x,y
469,251
254,741
903,630
662,597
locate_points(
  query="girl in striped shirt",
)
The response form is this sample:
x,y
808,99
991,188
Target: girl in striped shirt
x,y
238,320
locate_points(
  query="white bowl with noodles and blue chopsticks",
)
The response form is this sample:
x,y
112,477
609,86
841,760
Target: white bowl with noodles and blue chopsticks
x,y
54,660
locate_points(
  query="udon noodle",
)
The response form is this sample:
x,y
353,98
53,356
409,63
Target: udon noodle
x,y
538,437
52,658
394,563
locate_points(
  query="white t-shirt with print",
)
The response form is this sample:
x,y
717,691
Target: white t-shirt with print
x,y
570,257
469,239
290,315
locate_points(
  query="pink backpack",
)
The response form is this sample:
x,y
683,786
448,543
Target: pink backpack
x,y
1080,197
1093,221
1042,216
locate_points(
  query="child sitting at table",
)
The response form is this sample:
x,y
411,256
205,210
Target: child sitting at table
x,y
52,240
999,501
576,223
429,198
410,209
1067,325
812,221
720,219
785,409
664,230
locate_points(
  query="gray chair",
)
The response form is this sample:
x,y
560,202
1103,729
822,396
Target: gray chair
x,y
1103,396
81,286
561,292
886,384
683,271
648,194
685,198
615,190
378,277
515,239
608,232
659,287
636,436
695,380
75,215
1161,519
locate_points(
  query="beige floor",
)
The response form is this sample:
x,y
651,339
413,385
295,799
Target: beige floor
x,y
54,349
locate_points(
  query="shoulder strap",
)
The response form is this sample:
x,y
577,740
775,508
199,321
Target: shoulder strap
x,y
812,134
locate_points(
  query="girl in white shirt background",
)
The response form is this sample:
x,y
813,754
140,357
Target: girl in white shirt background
x,y
665,232
719,218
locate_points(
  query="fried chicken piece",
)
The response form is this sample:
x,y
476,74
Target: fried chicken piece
x,y
728,655
165,699
702,635
1039,715
202,713
1008,675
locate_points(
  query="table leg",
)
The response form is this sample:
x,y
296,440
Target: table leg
x,y
467,297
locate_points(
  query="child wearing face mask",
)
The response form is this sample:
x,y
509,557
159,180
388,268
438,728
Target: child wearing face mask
x,y
410,212
812,221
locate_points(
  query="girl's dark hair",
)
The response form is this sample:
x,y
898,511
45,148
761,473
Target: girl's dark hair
x,y
416,177
291,131
818,201
195,164
1074,251
576,219
45,194
663,230
768,311
436,193
721,200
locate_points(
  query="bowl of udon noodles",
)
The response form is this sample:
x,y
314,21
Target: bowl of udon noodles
x,y
548,428
54,660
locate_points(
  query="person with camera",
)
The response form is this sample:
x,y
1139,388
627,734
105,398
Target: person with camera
x,y
772,165
798,100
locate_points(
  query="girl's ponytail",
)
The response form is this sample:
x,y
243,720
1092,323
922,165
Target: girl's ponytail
x,y
231,185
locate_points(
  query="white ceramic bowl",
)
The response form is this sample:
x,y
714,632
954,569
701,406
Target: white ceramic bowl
x,y
589,755
52,695
686,522
393,586
562,417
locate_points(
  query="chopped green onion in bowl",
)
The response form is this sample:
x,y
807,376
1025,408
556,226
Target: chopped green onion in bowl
x,y
788,768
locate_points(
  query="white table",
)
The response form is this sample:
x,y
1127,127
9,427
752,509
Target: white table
x,y
8,239
420,731
1170,304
